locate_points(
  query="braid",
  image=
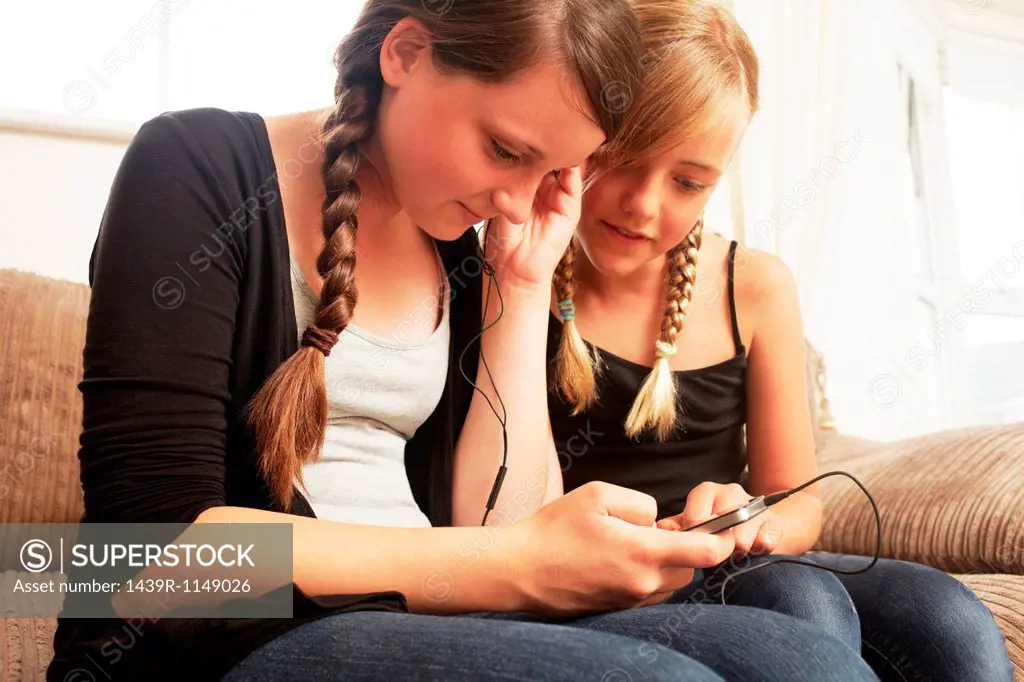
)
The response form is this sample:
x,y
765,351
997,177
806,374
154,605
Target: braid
x,y
337,261
289,413
575,365
655,405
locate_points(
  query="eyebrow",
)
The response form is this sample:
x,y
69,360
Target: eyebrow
x,y
533,151
536,153
698,164
514,140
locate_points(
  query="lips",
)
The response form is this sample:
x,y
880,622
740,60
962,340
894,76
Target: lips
x,y
624,233
473,216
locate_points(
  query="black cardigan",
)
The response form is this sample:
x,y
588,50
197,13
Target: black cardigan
x,y
191,311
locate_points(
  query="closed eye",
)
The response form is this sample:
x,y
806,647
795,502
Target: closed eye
x,y
690,186
503,154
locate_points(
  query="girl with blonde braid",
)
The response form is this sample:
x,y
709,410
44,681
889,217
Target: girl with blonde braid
x,y
677,363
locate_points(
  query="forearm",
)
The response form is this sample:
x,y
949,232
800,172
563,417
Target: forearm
x,y
515,351
439,570
799,519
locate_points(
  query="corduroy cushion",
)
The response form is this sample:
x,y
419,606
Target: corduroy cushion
x,y
26,644
27,648
953,500
42,333
1004,596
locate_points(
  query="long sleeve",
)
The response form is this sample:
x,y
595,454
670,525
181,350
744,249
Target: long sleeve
x,y
158,350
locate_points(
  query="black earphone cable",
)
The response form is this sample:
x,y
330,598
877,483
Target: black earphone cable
x,y
775,498
503,417
770,500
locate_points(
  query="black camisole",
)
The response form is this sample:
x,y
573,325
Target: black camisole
x,y
709,442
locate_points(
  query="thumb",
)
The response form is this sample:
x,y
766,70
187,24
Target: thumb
x,y
570,182
561,197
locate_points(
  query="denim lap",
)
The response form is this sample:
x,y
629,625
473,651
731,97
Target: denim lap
x,y
374,646
909,621
919,623
809,594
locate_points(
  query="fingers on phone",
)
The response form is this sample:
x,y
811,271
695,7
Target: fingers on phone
x,y
729,498
695,550
671,523
629,505
700,504
767,539
747,536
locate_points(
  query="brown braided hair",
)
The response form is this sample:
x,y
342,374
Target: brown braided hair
x,y
492,40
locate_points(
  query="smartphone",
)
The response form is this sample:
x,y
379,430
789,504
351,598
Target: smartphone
x,y
732,518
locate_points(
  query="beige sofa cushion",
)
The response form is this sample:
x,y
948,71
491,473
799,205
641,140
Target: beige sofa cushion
x,y
27,648
953,500
42,333
1004,596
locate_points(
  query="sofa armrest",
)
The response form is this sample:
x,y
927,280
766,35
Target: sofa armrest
x,y
42,333
953,500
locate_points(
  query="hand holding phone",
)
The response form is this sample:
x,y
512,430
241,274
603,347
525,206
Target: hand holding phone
x,y
733,517
717,508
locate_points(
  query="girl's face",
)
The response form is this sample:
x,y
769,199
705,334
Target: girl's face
x,y
459,151
635,213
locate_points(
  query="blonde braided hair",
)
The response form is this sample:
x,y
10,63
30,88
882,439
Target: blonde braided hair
x,y
654,408
576,366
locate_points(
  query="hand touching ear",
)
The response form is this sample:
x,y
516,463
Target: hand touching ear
x,y
526,255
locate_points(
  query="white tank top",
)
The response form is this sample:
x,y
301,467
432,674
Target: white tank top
x,y
379,391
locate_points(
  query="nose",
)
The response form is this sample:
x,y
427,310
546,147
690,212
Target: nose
x,y
642,198
515,201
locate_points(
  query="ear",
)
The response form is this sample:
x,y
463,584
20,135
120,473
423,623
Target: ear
x,y
407,48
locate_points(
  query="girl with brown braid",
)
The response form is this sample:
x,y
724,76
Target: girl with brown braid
x,y
320,370
663,396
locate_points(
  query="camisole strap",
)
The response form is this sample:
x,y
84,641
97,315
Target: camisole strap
x,y
737,341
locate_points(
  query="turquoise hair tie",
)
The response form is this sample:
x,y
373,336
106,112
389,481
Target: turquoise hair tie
x,y
566,310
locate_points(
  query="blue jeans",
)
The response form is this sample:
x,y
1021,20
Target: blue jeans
x,y
650,644
910,622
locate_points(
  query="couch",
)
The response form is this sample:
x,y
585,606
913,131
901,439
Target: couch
x,y
954,500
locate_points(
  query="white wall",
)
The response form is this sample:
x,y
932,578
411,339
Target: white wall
x,y
54,189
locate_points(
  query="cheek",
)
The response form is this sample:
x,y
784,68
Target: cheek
x,y
600,201
435,158
672,230
678,219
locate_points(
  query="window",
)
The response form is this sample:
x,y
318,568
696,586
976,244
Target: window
x,y
996,344
931,358
986,143
138,58
270,58
69,58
